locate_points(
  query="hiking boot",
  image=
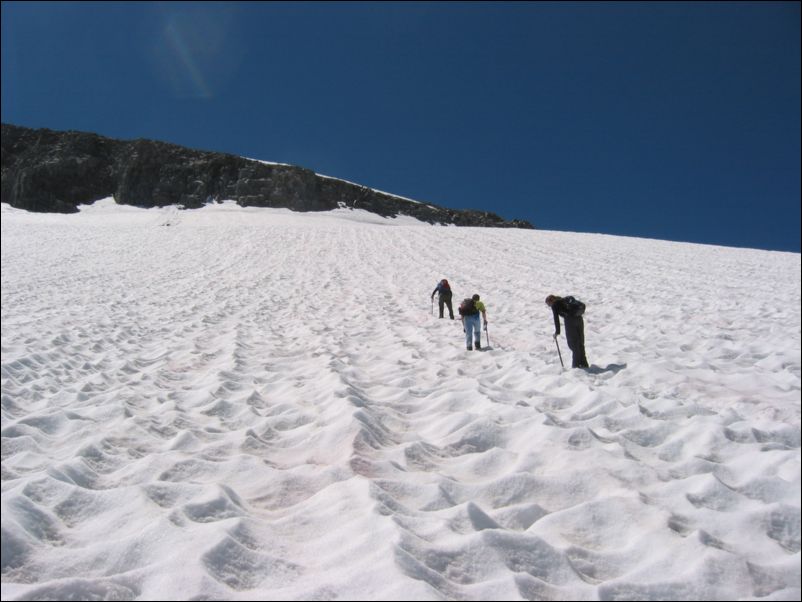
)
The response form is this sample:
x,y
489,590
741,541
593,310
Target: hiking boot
x,y
478,344
470,348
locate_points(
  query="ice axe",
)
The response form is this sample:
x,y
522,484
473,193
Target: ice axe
x,y
558,351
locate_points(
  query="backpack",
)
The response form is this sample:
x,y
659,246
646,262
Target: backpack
x,y
467,308
444,287
574,307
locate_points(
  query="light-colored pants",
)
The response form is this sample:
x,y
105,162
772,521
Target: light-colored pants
x,y
473,329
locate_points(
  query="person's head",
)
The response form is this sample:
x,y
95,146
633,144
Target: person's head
x,y
550,300
475,297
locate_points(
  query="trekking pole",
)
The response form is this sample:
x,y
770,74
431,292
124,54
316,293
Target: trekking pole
x,y
487,335
432,305
558,351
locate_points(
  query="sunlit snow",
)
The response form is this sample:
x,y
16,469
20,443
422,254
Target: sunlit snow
x,y
253,404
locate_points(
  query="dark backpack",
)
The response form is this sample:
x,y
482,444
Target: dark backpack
x,y
467,308
573,307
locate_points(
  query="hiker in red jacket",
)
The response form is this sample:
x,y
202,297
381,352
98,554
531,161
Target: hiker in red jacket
x,y
445,297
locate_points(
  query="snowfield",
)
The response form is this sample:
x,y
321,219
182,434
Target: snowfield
x,y
255,404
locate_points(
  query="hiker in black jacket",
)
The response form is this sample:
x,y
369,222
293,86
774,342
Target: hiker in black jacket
x,y
445,297
571,310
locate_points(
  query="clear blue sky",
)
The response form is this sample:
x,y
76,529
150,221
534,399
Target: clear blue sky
x,y
661,120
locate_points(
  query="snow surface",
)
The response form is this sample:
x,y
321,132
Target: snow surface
x,y
254,404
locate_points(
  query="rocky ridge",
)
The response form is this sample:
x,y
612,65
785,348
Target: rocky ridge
x,y
56,171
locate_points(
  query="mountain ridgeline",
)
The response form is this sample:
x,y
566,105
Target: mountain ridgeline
x,y
53,171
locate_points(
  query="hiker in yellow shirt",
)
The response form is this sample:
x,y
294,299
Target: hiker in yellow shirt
x,y
469,311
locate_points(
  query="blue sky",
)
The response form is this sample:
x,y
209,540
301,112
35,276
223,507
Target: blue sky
x,y
660,120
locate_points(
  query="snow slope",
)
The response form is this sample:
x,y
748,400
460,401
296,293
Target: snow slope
x,y
251,404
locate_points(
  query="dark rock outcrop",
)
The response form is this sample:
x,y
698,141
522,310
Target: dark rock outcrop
x,y
49,171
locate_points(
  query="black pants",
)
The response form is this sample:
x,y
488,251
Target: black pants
x,y
445,299
575,333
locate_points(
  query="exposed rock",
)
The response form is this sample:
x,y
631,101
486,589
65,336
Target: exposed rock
x,y
49,171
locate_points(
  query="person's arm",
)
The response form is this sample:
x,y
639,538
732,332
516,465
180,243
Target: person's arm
x,y
556,319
